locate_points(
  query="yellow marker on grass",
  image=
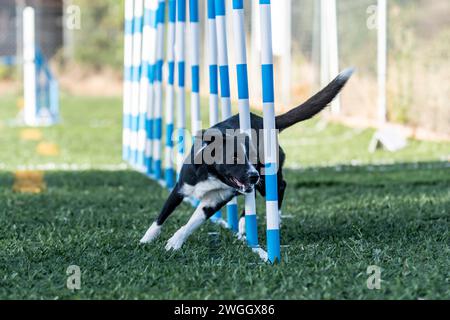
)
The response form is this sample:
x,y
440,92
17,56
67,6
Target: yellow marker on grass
x,y
47,149
29,182
31,134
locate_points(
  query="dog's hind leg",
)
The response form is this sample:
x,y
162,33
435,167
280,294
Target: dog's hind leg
x,y
203,212
174,200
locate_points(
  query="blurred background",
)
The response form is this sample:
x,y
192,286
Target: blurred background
x,y
82,41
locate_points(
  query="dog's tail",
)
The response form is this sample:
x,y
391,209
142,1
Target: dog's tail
x,y
315,104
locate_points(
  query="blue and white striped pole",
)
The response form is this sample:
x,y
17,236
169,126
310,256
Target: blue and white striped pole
x,y
169,171
270,134
157,135
240,47
194,27
232,210
128,73
213,72
146,82
181,103
147,89
137,51
212,59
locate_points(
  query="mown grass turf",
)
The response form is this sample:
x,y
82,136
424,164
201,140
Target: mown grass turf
x,y
343,219
342,222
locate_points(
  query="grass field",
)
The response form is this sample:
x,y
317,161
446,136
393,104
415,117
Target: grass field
x,y
343,219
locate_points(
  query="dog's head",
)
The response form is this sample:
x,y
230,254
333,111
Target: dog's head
x,y
229,156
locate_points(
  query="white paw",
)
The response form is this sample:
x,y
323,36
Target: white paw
x,y
177,240
152,233
242,226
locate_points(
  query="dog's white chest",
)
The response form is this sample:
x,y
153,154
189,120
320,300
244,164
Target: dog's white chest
x,y
212,190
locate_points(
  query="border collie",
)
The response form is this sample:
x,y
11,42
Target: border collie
x,y
220,166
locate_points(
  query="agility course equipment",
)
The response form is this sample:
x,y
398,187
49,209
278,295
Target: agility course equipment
x,y
194,29
170,55
41,100
181,93
143,95
213,72
251,231
135,65
225,97
146,94
270,134
158,107
128,80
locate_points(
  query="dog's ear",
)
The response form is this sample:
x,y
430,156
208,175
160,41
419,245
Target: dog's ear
x,y
202,140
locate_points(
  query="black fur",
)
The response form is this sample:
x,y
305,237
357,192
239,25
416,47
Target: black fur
x,y
241,177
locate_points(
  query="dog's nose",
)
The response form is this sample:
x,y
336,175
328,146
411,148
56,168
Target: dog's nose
x,y
253,177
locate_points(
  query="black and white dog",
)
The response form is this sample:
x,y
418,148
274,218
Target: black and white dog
x,y
232,171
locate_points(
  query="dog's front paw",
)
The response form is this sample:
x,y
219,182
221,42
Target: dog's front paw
x,y
152,233
177,240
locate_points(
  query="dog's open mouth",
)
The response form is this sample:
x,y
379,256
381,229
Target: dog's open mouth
x,y
239,186
238,183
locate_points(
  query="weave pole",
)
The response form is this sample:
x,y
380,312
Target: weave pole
x,y
157,116
136,66
181,94
213,72
148,89
194,28
127,81
232,210
169,106
148,69
251,231
270,134
146,84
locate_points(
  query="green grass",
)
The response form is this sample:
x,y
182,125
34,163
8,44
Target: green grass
x,y
344,218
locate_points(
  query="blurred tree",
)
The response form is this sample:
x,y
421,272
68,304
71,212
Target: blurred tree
x,y
99,43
